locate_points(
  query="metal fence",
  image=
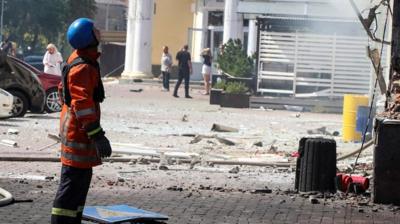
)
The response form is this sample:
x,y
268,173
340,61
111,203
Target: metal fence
x,y
310,65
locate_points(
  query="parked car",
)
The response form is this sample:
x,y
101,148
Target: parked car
x,y
50,85
35,61
23,84
6,103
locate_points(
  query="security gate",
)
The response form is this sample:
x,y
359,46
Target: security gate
x,y
312,65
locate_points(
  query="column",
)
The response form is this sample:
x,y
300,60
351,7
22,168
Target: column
x,y
199,33
252,40
130,37
141,44
233,22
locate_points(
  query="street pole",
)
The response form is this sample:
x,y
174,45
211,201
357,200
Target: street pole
x,y
1,20
107,15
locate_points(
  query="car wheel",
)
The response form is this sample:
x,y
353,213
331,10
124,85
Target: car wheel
x,y
20,105
52,101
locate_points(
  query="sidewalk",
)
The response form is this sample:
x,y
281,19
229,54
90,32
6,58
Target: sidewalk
x,y
206,206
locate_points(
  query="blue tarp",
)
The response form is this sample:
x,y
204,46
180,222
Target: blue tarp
x,y
119,213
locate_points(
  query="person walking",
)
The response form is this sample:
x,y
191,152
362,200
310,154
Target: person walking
x,y
83,141
6,46
166,64
206,69
52,60
184,70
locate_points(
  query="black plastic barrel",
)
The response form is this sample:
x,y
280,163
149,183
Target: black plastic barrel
x,y
316,165
386,179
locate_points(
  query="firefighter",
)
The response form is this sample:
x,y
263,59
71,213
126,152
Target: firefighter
x,y
83,142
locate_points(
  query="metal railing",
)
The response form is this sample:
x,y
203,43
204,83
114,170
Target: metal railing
x,y
309,65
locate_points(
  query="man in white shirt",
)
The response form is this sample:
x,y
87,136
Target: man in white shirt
x,y
166,63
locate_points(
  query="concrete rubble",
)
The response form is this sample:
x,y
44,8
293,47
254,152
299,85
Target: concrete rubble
x,y
167,144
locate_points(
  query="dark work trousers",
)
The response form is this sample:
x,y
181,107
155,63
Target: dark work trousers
x,y
183,74
71,195
165,79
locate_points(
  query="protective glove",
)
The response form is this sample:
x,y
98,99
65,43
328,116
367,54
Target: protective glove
x,y
103,146
101,143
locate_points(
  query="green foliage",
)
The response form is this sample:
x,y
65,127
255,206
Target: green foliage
x,y
220,85
234,60
35,23
236,88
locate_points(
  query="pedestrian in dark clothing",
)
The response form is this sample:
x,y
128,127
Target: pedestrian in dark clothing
x,y
6,46
184,70
166,63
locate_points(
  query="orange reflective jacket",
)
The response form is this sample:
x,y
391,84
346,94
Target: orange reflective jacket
x,y
77,150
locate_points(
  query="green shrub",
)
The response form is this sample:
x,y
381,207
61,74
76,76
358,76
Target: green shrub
x,y
234,60
236,88
220,85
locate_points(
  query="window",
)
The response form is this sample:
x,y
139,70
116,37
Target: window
x,y
215,18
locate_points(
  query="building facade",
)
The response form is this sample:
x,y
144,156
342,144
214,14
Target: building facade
x,y
304,47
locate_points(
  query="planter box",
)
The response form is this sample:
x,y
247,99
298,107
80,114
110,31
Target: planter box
x,y
249,82
235,100
215,96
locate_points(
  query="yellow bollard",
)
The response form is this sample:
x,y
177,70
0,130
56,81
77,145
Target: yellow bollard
x,y
351,103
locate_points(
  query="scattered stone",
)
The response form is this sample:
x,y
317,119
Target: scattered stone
x,y
49,178
223,128
174,188
10,143
189,195
360,210
12,131
363,203
185,118
163,167
234,170
132,162
313,199
143,161
121,180
135,90
272,149
261,191
258,144
39,186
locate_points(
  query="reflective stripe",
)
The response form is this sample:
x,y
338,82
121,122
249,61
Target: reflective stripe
x,y
78,158
63,212
95,131
84,112
76,145
66,124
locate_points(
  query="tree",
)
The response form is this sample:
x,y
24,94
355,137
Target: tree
x,y
35,23
234,60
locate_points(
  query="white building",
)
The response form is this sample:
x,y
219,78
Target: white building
x,y
305,48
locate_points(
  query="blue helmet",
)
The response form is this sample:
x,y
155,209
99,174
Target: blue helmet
x,y
80,33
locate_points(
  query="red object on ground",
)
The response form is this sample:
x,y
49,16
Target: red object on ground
x,y
362,181
295,154
344,181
